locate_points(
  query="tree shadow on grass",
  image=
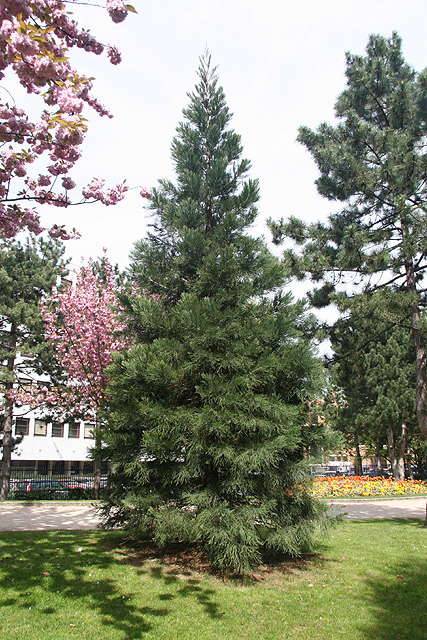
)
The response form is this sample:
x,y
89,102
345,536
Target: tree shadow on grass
x,y
189,589
179,567
67,564
83,571
398,597
87,567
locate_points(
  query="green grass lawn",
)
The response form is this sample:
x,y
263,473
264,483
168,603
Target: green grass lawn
x,y
367,581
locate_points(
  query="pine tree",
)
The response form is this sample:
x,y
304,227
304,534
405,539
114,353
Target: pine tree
x,y
206,428
374,162
374,366
27,273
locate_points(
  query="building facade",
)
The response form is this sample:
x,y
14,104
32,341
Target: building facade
x,y
49,448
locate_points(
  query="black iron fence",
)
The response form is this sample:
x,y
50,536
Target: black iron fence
x,y
34,486
346,469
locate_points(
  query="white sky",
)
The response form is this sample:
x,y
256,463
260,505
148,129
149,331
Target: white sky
x,y
281,65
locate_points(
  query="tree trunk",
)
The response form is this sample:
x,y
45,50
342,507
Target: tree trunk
x,y
378,453
400,462
392,451
358,461
408,466
420,350
421,372
8,419
97,459
7,450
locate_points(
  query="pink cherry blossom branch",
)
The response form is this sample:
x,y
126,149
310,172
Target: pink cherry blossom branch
x,y
35,39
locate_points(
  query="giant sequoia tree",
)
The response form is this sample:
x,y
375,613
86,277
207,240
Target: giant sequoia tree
x,y
373,160
207,427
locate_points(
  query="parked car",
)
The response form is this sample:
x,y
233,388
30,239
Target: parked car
x,y
55,487
375,473
75,484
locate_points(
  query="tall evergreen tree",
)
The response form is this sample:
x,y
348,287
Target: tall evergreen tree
x,y
207,428
374,366
374,161
27,273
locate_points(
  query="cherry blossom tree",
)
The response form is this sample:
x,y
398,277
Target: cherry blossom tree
x,y
36,37
83,325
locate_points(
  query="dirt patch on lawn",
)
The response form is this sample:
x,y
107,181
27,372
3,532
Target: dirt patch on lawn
x,y
189,562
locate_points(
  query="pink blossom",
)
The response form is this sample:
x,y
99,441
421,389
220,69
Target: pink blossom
x,y
20,170
82,322
67,183
68,101
114,54
117,10
44,181
23,43
7,29
96,191
69,136
58,168
39,58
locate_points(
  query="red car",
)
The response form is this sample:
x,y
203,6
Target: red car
x,y
46,486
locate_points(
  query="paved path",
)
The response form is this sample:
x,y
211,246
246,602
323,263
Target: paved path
x,y
44,516
381,508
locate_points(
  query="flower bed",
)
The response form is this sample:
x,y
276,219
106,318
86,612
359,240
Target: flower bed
x,y
357,486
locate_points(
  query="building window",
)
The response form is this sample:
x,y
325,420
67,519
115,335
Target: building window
x,y
58,468
40,384
57,430
89,429
40,428
22,426
23,465
43,467
88,468
25,383
73,430
75,467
